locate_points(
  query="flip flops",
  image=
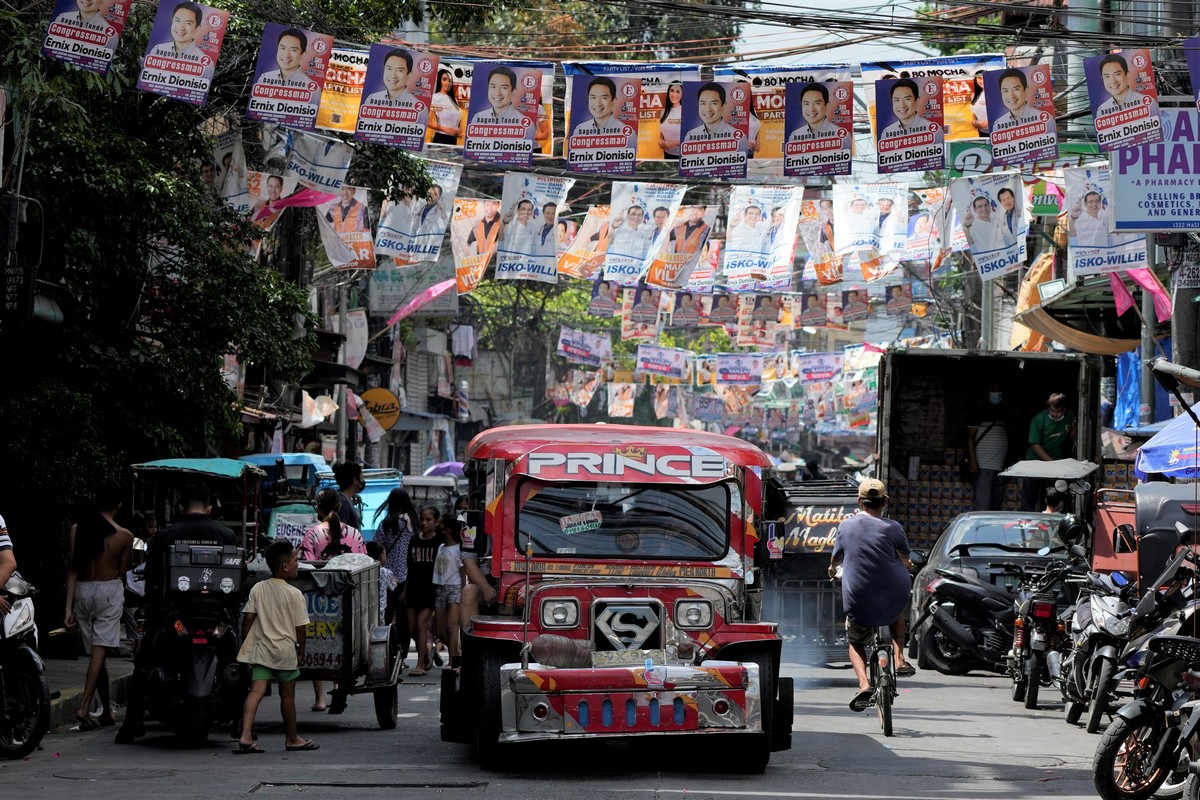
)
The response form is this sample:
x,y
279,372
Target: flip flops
x,y
907,671
416,673
309,744
319,709
85,724
248,749
862,700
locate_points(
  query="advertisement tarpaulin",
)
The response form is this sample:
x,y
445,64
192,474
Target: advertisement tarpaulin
x,y
991,211
396,93
582,347
343,90
1092,247
182,51
474,233
716,125
528,248
412,230
1155,185
507,120
289,76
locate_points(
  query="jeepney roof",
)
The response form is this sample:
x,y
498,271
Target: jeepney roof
x,y
512,442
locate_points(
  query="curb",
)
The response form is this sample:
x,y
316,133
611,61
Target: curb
x,y
62,709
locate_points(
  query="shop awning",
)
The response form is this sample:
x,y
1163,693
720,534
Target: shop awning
x,y
417,420
1040,320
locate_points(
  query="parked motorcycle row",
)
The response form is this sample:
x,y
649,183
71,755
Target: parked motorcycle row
x,y
1125,662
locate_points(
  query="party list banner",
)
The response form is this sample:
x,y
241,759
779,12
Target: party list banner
x,y
289,76
768,130
182,52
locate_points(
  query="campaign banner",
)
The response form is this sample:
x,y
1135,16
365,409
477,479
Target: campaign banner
x,y
1124,99
412,230
716,121
758,320
1155,185
639,314
927,228
506,116
660,103
448,105
583,387
739,369
720,310
704,275
397,93
85,32
663,362
708,408
632,239
760,238
911,136
318,162
585,253
775,366
606,299
705,373
582,347
687,240
182,51
1020,102
264,193
855,307
474,235
529,206
870,217
686,310
347,218
289,76
899,300
604,118
818,367
965,113
620,399
816,230
393,288
1091,248
990,209
820,128
770,89
343,90
226,173
814,313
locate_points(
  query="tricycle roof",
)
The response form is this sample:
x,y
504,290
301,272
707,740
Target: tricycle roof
x,y
513,442
210,467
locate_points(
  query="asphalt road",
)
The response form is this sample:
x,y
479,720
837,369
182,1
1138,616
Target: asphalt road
x,y
954,738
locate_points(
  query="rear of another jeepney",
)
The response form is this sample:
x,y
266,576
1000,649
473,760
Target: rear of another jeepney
x,y
630,605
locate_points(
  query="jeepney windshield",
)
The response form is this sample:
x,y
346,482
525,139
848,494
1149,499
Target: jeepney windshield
x,y
625,521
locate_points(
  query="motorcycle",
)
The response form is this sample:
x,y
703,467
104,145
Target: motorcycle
x,y
24,693
969,617
1036,658
1099,625
195,681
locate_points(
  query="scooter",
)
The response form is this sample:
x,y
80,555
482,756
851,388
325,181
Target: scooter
x,y
1099,626
24,693
1038,636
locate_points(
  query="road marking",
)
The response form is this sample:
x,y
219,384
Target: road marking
x,y
730,793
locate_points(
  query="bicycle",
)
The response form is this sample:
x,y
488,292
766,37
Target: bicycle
x,y
883,677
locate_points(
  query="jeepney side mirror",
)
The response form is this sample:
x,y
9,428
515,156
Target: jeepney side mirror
x,y
1124,539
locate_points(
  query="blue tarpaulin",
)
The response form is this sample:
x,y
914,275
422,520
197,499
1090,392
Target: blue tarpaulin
x,y
1174,451
1128,403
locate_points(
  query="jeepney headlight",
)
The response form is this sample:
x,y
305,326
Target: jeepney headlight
x,y
560,613
693,614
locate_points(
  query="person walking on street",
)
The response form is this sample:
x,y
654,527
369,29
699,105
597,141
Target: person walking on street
x,y
987,448
351,482
100,550
874,555
447,585
419,593
394,532
273,636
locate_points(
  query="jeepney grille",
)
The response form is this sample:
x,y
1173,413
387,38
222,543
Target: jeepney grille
x,y
627,625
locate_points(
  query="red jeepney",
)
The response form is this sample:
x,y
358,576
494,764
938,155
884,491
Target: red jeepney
x,y
630,595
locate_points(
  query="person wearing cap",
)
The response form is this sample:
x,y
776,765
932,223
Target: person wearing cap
x,y
873,553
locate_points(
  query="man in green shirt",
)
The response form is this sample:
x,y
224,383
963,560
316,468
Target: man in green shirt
x,y
1051,433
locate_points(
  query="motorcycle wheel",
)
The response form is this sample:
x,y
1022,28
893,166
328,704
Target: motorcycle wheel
x,y
1191,788
1099,698
942,654
24,713
1033,678
191,723
1074,712
1125,748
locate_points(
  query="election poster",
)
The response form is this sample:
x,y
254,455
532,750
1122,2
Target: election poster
x,y
604,124
760,237
397,93
899,300
814,313
263,192
990,208
343,90
634,237
685,310
820,127
758,320
705,373
870,217
704,275
347,219
816,229
85,32
660,102
318,162
182,51
1155,186
721,311
448,105
582,347
583,387
507,120
1123,98
716,125
639,314
662,362
584,255
708,408
528,249
769,92
909,123
926,239
813,368
289,76
226,173
606,299
964,111
620,399
474,235
411,230
739,369
1091,246
775,366
855,307
686,244
1020,103
393,287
